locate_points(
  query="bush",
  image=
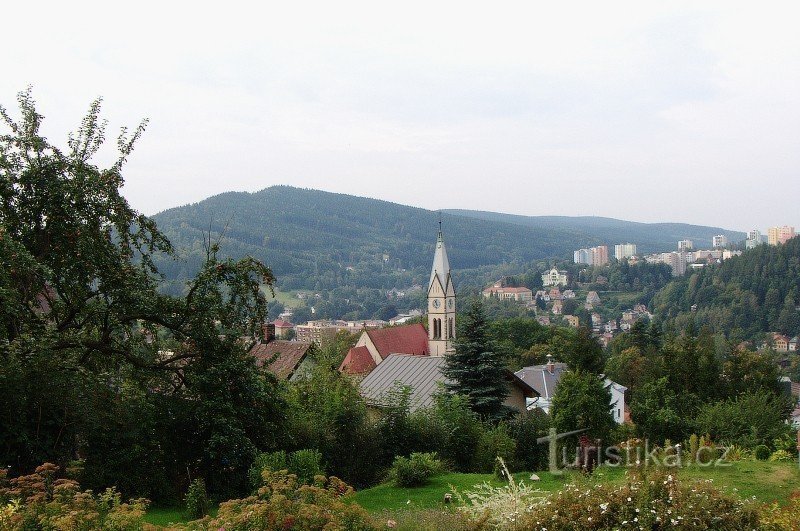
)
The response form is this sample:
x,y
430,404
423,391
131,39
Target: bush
x,y
525,428
493,443
761,452
415,470
306,464
266,461
781,455
283,503
196,500
747,420
650,499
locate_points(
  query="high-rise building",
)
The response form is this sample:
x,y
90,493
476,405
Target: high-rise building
x,y
582,256
753,239
599,255
776,235
685,245
720,241
624,250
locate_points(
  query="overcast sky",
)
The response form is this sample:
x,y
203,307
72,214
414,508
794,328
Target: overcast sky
x,y
635,110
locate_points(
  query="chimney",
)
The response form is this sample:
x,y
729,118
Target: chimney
x,y
551,367
268,332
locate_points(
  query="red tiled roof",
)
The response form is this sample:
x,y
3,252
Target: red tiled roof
x,y
508,290
358,361
280,323
289,355
409,339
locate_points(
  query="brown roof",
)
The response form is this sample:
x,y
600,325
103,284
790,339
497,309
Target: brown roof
x,y
508,290
408,339
280,323
358,361
288,356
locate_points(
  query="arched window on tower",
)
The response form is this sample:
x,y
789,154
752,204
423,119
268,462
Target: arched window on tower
x,y
450,328
437,329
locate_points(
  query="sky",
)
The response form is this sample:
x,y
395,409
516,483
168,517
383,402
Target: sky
x,y
645,111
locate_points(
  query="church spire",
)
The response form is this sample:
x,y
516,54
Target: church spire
x,y
441,266
441,302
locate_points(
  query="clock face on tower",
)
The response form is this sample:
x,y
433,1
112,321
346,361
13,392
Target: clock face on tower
x,y
450,303
436,303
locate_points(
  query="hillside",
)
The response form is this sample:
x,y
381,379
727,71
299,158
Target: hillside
x,y
649,237
321,240
743,297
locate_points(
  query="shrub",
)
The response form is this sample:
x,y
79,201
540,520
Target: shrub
x,y
493,443
499,507
650,499
283,503
525,428
781,455
761,452
415,470
266,461
196,500
777,518
43,501
306,464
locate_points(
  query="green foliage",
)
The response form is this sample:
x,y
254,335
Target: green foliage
x,y
652,500
495,442
781,455
196,499
748,420
476,369
582,401
306,464
658,412
415,470
273,461
283,503
761,452
743,297
525,428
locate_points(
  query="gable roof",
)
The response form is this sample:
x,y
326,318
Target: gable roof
x,y
421,373
289,355
408,339
541,380
280,323
357,361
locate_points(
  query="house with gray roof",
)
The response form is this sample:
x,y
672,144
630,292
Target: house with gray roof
x,y
544,379
423,376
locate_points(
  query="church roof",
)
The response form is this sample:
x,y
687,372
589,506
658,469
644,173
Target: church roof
x,y
408,339
357,361
441,266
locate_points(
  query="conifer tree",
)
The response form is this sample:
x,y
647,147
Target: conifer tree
x,y
477,368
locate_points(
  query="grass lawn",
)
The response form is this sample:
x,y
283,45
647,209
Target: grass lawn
x,y
767,481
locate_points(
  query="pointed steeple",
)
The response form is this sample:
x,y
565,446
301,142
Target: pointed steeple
x,y
441,266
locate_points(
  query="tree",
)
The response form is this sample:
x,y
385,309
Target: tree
x,y
582,401
660,414
85,332
477,369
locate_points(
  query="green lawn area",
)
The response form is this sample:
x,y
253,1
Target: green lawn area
x,y
287,298
767,481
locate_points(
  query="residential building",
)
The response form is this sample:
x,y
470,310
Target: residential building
x,y
685,245
592,298
558,307
754,239
320,332
568,294
543,320
508,293
544,379
555,294
594,256
423,376
288,360
572,320
719,241
776,235
554,277
282,328
624,250
582,256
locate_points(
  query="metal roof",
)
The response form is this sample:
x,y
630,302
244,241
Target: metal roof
x,y
421,373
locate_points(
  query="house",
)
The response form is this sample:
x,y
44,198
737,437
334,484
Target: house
x,y
597,320
555,294
778,342
282,328
554,277
374,346
558,308
793,344
508,293
592,298
543,320
569,294
572,320
423,376
288,360
545,378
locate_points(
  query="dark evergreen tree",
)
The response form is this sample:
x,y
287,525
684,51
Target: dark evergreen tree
x,y
582,401
477,367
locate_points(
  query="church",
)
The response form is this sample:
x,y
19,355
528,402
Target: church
x,y
374,346
414,357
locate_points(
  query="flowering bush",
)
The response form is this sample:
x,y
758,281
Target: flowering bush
x,y
777,518
648,500
500,507
43,501
282,503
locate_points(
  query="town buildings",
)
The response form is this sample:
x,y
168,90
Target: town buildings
x,y
594,256
719,242
776,235
554,277
499,291
624,250
754,239
685,245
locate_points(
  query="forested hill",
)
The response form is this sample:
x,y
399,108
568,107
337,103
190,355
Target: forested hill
x,y
321,240
743,297
649,237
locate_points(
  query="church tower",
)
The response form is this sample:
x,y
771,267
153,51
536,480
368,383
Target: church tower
x,y
441,303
